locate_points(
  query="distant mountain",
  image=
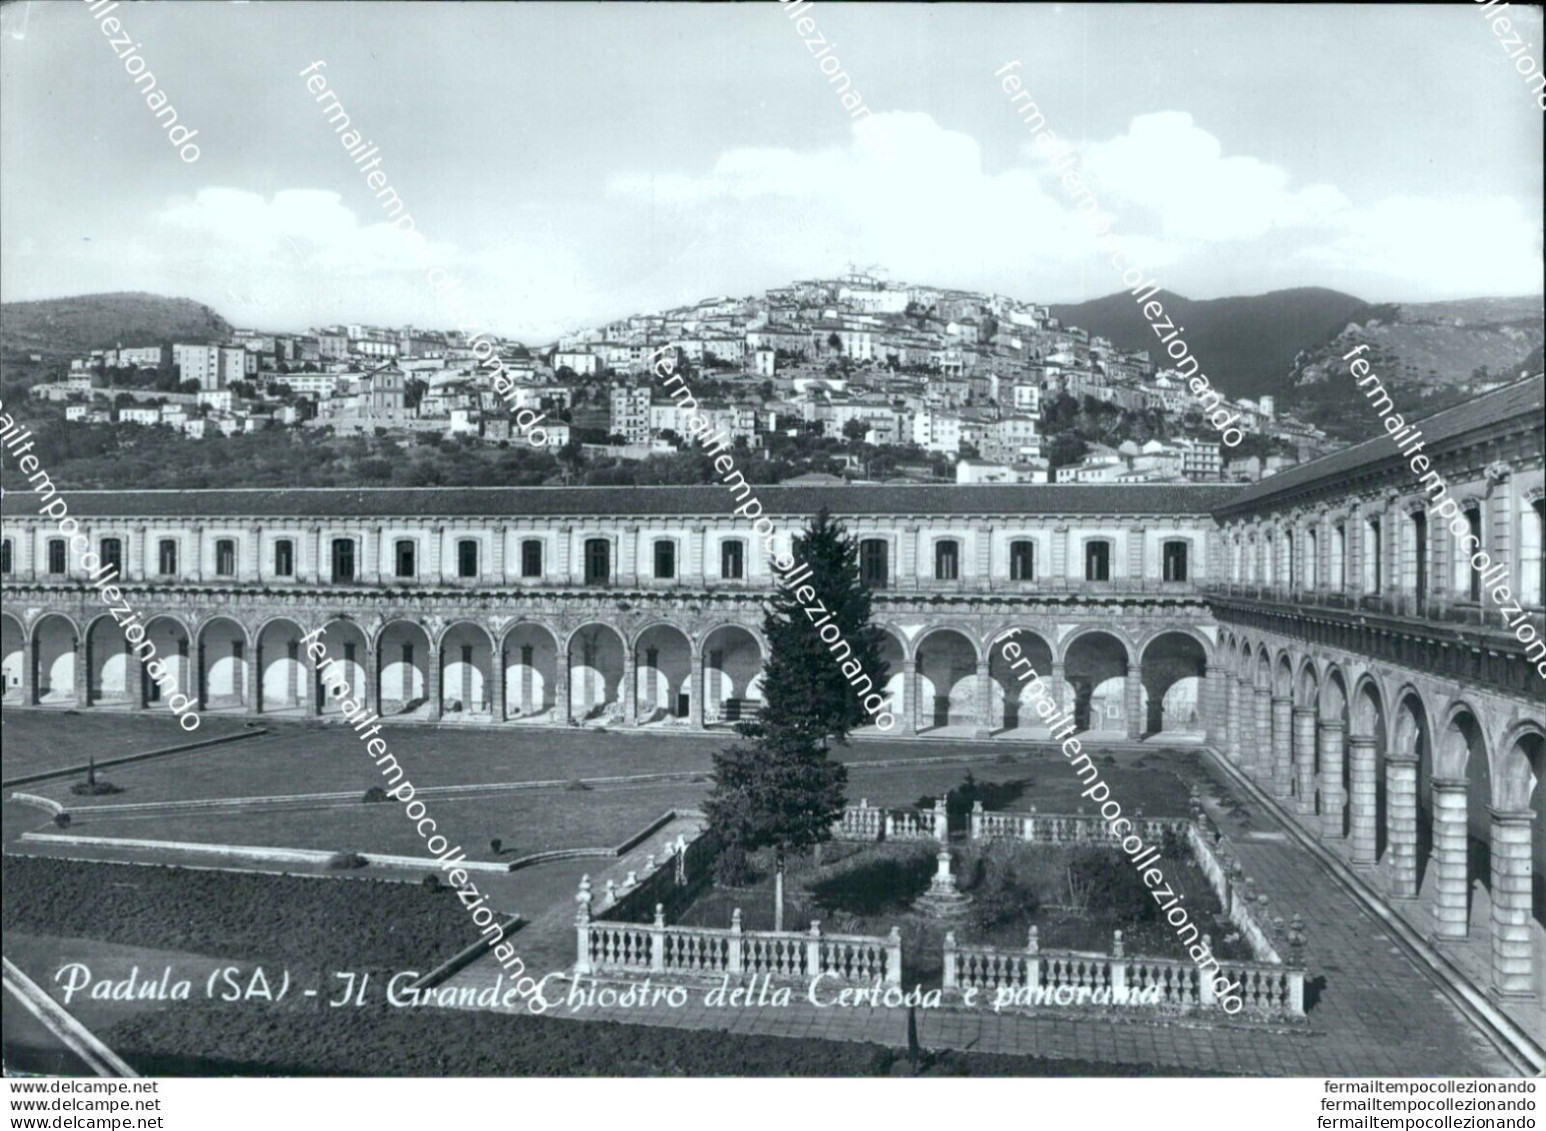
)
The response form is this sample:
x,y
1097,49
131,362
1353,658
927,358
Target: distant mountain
x,y
64,326
1246,346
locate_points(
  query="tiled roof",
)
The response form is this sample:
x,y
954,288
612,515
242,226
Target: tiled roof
x,y
1523,401
385,502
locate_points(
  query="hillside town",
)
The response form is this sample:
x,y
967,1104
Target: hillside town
x,y
977,383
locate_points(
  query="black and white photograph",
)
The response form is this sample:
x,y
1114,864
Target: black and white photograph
x,y
790,540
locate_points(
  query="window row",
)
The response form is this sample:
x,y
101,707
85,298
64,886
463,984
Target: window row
x,y
874,567
597,561
1408,565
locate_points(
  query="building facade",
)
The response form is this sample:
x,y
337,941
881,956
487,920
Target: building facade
x,y
1319,629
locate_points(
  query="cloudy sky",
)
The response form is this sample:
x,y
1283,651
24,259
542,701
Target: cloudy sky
x,y
570,163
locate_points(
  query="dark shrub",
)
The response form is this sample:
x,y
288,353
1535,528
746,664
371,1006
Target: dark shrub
x,y
346,860
732,868
496,845
62,820
887,879
431,881
577,786
375,794
1115,889
97,788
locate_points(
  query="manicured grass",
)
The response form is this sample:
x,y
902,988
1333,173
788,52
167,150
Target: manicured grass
x,y
36,742
526,821
338,923
435,1042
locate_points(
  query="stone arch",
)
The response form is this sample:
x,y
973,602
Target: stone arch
x,y
348,646
55,644
1012,702
594,658
1307,682
1368,745
663,661
1412,737
1463,758
465,652
1261,668
1095,667
1283,675
13,658
1175,667
222,664
529,661
113,675
894,654
404,655
174,648
946,661
282,666
1518,783
732,673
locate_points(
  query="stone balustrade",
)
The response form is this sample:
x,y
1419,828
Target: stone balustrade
x,y
861,822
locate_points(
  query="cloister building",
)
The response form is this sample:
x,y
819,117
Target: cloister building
x,y
1318,629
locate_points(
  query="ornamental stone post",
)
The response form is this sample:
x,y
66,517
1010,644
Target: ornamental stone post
x,y
1304,759
1282,746
1333,796
1451,904
1362,813
1401,824
1512,945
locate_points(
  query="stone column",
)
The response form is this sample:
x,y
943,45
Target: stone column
x,y
561,705
1451,904
631,688
501,658
435,682
1282,746
1512,945
1058,682
1259,763
140,676
1232,718
907,718
199,693
316,696
1132,697
1333,796
1362,808
257,679
695,702
1211,707
984,702
1401,824
1304,759
82,672
371,662
251,695
29,673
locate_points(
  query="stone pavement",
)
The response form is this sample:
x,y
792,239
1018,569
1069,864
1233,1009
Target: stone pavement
x,y
1371,1010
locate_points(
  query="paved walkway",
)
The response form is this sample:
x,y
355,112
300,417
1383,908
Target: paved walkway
x,y
1371,1010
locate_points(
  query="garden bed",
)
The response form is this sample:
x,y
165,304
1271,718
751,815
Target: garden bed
x,y
399,1042
337,923
1075,895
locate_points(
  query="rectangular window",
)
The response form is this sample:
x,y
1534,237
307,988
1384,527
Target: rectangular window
x,y
343,560
56,561
1097,561
467,558
225,558
531,558
598,561
1022,561
947,561
665,560
404,554
1174,554
874,562
1339,556
111,553
732,560
1473,577
166,557
5,555
284,558
1374,557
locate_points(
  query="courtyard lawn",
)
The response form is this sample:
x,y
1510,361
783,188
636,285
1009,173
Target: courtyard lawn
x,y
337,923
38,742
